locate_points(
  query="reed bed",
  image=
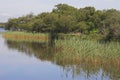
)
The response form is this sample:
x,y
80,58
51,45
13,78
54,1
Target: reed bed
x,y
90,50
27,37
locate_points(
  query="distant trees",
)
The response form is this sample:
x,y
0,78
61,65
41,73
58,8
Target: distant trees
x,y
67,19
2,25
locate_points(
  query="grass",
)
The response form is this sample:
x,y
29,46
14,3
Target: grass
x,y
89,48
26,37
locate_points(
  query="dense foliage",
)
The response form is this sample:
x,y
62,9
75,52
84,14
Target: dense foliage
x,y
68,19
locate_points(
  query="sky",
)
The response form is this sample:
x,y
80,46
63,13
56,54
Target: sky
x,y
16,8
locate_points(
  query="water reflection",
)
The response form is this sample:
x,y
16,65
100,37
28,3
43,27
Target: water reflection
x,y
78,69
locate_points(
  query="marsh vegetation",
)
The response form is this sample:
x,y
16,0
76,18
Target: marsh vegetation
x,y
74,47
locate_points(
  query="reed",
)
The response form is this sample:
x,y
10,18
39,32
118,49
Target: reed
x,y
79,48
25,36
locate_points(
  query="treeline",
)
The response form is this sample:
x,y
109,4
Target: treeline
x,y
67,19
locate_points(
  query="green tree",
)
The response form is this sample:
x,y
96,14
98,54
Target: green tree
x,y
65,24
111,24
81,27
64,9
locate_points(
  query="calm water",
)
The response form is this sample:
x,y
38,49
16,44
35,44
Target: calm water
x,y
35,61
2,29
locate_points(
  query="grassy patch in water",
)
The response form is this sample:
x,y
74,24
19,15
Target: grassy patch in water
x,y
25,36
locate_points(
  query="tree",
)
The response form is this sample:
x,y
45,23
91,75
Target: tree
x,y
81,27
85,14
65,24
64,9
111,25
50,21
39,26
11,24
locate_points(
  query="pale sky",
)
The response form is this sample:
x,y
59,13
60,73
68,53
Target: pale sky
x,y
16,8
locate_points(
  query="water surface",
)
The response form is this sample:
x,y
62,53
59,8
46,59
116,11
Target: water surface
x,y
2,29
36,61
